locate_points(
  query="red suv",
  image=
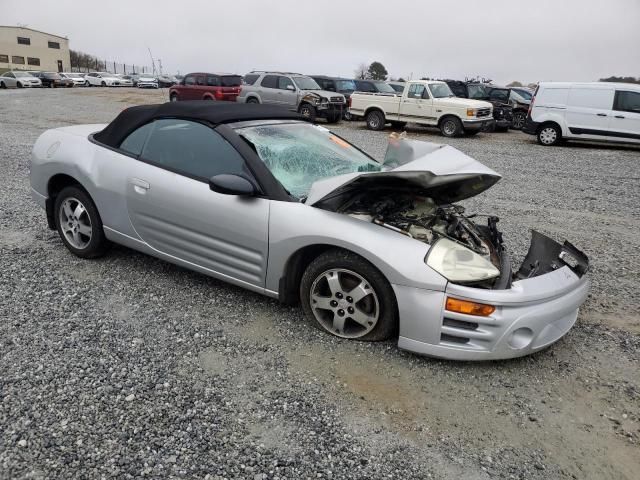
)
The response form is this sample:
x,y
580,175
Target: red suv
x,y
207,86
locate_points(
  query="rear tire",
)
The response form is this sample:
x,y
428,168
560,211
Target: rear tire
x,y
549,134
308,111
451,127
2,85
78,223
252,100
336,309
104,84
19,85
375,120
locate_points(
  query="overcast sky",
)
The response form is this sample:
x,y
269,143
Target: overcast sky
x,y
503,40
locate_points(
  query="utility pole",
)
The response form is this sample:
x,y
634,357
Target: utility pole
x,y
160,65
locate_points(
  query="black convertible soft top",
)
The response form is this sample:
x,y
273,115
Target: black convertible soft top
x,y
201,110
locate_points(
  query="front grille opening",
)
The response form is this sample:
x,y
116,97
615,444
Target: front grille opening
x,y
450,322
451,339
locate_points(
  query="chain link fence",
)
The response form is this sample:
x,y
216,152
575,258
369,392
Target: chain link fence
x,y
95,65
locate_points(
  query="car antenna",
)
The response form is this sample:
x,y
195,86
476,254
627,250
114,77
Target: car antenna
x,y
153,67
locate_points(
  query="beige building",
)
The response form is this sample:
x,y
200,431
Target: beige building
x,y
27,49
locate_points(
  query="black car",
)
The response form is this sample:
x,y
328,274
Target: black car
x,y
345,86
497,96
52,79
374,86
520,101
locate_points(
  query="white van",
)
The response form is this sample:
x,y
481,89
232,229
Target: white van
x,y
587,111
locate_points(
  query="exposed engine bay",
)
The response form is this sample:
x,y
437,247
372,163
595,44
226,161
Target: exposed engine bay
x,y
420,217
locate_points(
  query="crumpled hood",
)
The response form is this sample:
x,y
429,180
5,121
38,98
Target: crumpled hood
x,y
440,171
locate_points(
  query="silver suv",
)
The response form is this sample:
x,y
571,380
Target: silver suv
x,y
292,90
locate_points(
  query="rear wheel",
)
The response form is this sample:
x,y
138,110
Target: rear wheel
x,y
518,120
79,224
343,294
2,85
375,120
104,84
549,134
451,127
252,100
308,111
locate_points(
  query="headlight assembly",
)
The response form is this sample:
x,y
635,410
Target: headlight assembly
x,y
457,263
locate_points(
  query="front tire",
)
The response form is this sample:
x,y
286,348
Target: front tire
x,y
549,134
78,223
375,120
308,111
19,85
343,294
173,97
518,120
451,127
104,84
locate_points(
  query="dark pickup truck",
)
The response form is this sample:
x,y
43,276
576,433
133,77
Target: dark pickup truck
x,y
497,96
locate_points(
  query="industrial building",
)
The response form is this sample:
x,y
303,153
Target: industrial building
x,y
23,48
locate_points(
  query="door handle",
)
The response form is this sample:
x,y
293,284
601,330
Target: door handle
x,y
601,114
619,116
140,186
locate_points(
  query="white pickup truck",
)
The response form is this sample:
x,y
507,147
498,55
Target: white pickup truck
x,y
427,103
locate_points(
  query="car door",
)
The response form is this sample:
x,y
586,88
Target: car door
x,y
588,111
269,89
417,106
173,210
625,119
186,89
287,92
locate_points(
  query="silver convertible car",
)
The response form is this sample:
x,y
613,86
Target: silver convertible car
x,y
257,197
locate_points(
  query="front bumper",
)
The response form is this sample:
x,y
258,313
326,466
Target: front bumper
x,y
483,125
330,109
147,85
531,315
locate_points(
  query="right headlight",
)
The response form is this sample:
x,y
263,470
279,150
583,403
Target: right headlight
x,y
457,263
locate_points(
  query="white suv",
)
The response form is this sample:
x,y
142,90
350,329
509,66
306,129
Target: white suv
x,y
598,111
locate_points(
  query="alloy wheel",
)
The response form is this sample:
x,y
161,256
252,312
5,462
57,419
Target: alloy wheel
x,y
75,223
344,303
518,121
449,127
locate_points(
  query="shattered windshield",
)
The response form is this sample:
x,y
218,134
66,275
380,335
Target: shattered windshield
x,y
299,154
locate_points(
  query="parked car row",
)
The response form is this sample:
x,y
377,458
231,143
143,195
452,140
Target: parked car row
x,y
22,79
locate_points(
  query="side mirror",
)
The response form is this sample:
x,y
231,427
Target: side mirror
x,y
291,88
228,184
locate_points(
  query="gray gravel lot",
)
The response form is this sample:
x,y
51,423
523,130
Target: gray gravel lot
x,y
130,367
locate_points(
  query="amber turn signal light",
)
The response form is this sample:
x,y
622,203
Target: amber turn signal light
x,y
469,308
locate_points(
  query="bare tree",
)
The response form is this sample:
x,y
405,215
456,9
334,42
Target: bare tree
x,y
362,72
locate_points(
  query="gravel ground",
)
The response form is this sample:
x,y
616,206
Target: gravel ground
x,y
131,367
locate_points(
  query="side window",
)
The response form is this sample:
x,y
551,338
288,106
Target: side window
x,y
627,101
135,141
200,80
366,87
591,98
269,81
285,83
192,149
250,78
213,81
189,80
417,91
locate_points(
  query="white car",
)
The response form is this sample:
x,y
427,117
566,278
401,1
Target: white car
x,y
424,102
22,79
125,80
147,81
77,78
599,111
102,79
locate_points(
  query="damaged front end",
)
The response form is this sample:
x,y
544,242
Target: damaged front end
x,y
416,196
